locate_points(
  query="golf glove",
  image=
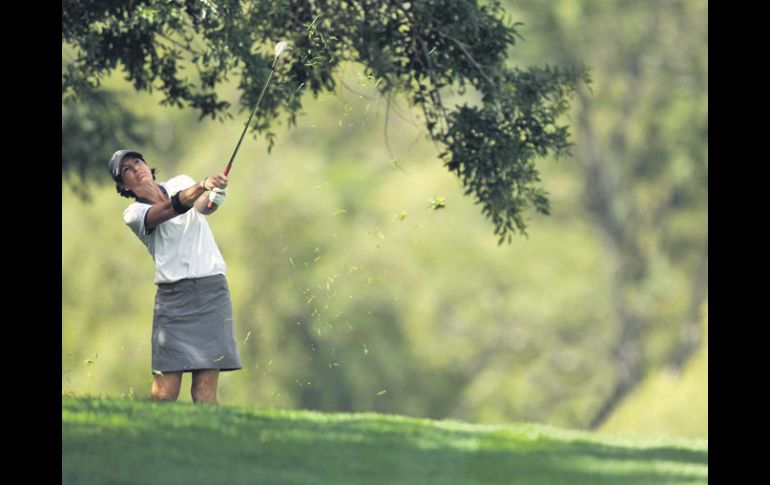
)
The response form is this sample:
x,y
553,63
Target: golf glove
x,y
217,196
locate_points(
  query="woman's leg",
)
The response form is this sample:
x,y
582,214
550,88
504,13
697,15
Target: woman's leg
x,y
204,385
165,387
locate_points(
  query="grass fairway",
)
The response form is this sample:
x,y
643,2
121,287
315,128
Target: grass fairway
x,y
123,441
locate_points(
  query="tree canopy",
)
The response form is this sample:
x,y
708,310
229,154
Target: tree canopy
x,y
424,51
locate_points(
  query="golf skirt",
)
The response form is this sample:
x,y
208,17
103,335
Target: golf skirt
x,y
192,326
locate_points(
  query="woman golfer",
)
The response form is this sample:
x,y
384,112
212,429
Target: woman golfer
x,y
192,327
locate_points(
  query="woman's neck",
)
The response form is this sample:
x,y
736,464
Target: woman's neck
x,y
151,195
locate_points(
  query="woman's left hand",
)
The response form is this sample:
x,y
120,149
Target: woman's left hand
x,y
218,196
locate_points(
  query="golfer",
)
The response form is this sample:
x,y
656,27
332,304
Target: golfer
x,y
192,327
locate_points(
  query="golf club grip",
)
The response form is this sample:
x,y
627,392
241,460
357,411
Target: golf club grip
x,y
227,171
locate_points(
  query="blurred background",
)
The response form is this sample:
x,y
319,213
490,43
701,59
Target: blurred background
x,y
351,293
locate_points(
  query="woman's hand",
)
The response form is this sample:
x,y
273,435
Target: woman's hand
x,y
219,181
217,196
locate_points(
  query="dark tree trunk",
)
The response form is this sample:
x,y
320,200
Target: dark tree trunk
x,y
602,191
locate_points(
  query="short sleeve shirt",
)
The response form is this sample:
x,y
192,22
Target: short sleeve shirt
x,y
182,247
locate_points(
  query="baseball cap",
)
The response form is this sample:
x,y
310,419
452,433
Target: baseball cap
x,y
114,165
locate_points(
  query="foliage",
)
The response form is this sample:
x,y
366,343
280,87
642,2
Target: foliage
x,y
415,49
423,316
91,127
642,154
336,300
124,440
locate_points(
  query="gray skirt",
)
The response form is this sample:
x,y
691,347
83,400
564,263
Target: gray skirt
x,y
192,326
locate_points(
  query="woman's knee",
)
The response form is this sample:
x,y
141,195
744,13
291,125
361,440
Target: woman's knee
x,y
204,394
166,387
204,386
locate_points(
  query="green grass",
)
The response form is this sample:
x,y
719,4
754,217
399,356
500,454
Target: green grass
x,y
121,441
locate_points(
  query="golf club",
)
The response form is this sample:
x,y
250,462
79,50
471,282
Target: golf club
x,y
279,48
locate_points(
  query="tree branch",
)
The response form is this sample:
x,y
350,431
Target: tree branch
x,y
468,55
177,43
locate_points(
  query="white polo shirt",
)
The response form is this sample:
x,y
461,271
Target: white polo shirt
x,y
182,247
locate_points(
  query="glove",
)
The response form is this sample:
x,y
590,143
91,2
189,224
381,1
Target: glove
x,y
217,196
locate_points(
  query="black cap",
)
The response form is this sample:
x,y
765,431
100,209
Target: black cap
x,y
114,165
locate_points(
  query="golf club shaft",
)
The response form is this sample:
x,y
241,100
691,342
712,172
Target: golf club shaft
x,y
230,163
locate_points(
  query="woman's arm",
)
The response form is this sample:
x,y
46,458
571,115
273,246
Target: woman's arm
x,y
189,197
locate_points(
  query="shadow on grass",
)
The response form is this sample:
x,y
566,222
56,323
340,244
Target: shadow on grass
x,y
167,444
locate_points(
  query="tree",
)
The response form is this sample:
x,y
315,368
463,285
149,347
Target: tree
x,y
421,50
91,127
643,154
